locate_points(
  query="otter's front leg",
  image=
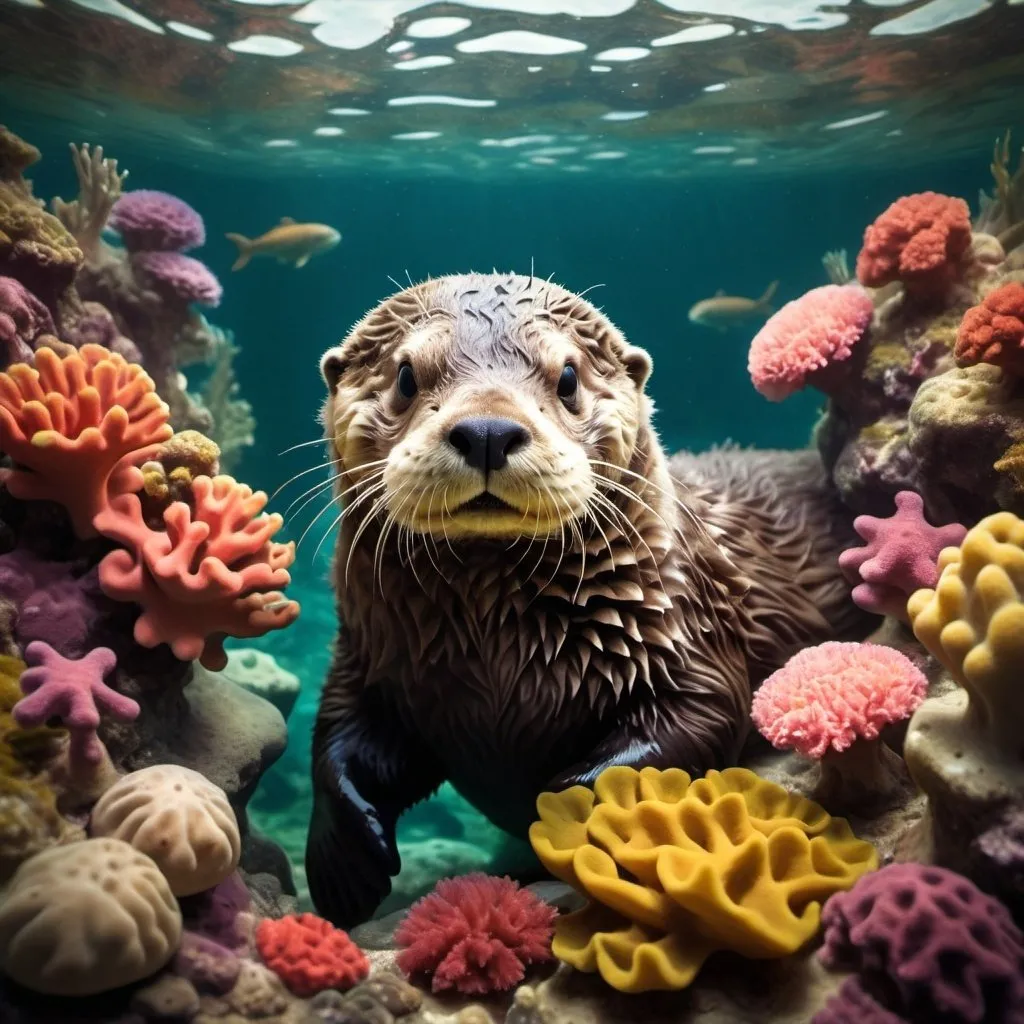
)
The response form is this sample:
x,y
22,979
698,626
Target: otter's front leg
x,y
693,728
367,770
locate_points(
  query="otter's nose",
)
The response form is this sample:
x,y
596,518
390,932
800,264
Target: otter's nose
x,y
487,443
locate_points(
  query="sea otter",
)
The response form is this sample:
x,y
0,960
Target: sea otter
x,y
529,590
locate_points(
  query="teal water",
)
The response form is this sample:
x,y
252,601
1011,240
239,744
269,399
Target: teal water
x,y
735,179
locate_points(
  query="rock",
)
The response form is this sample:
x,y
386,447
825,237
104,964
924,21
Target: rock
x,y
169,998
259,673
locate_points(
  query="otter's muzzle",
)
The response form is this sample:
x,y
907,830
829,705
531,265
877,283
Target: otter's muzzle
x,y
486,443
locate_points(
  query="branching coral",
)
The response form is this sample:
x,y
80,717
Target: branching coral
x,y
233,421
99,186
831,703
213,572
677,869
901,556
941,950
920,241
86,918
75,693
810,341
309,954
475,934
993,332
178,818
69,422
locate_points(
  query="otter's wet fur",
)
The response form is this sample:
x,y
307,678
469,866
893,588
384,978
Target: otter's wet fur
x,y
633,634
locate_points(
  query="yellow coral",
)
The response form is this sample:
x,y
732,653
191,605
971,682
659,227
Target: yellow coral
x,y
973,622
676,870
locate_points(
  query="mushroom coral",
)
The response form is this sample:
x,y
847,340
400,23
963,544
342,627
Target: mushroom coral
x,y
212,571
964,750
830,703
69,421
675,870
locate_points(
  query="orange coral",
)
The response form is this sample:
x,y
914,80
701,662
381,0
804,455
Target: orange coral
x,y
68,422
212,572
993,332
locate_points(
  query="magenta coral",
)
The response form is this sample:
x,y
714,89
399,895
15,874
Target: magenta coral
x,y
179,277
475,934
834,699
901,556
148,220
213,571
808,337
943,950
74,692
23,318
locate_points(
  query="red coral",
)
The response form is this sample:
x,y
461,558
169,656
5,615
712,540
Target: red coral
x,y
993,332
475,934
69,422
919,240
309,954
213,572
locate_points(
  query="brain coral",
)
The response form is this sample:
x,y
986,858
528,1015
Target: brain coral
x,y
918,240
180,277
945,952
806,337
178,818
676,870
156,221
81,919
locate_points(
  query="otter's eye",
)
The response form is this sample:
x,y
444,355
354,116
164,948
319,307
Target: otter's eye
x,y
406,381
568,384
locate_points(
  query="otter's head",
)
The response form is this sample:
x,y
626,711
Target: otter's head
x,y
484,406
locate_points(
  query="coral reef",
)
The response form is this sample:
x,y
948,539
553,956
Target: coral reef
x,y
831,703
676,870
930,945
178,278
176,817
309,954
993,331
475,934
85,918
100,185
964,750
23,320
901,556
148,220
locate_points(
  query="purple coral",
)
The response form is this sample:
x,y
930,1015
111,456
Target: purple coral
x,y
214,914
901,556
23,318
852,1005
180,277
151,220
207,964
74,692
945,951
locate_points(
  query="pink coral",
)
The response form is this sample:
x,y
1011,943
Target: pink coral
x,y
148,220
807,337
853,1005
993,332
213,571
23,318
940,949
831,702
919,240
179,277
74,692
475,934
901,556
309,954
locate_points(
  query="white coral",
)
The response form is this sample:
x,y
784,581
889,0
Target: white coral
x,y
85,918
178,818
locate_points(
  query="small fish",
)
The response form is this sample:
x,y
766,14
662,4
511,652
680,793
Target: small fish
x,y
724,311
289,242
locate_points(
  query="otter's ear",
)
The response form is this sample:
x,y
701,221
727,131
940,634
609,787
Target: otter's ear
x,y
638,365
332,366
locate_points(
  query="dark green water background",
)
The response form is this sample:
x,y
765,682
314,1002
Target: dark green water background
x,y
657,246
